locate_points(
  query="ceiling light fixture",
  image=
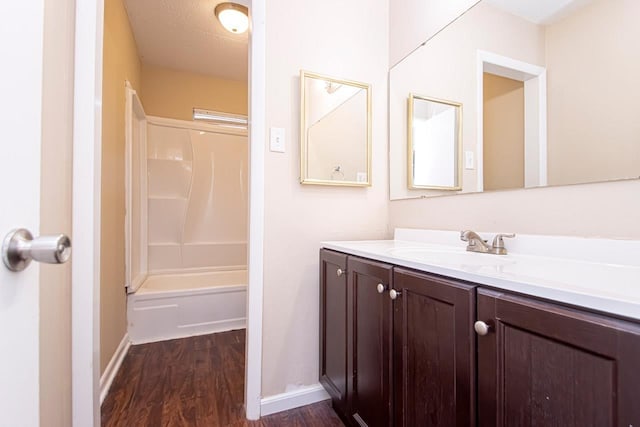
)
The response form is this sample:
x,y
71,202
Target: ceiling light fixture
x,y
233,17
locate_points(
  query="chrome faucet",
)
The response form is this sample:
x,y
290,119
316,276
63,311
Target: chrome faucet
x,y
478,244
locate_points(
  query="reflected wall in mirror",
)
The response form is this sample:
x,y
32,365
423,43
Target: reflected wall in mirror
x,y
548,88
335,128
434,142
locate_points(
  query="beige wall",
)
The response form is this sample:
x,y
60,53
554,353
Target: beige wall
x,y
55,218
120,63
604,210
414,21
503,133
594,131
608,210
345,40
174,94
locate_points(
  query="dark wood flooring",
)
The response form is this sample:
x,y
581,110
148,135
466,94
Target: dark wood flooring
x,y
197,381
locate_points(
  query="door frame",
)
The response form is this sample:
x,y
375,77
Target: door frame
x,y
535,94
87,148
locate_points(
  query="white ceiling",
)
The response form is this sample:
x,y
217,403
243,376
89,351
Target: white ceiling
x,y
540,11
185,35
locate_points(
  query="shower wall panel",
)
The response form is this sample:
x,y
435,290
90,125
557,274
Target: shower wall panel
x,y
197,199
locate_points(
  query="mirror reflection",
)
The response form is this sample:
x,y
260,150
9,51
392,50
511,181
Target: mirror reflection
x,y
548,90
335,131
434,143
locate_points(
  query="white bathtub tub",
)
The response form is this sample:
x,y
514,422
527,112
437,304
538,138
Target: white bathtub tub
x,y
181,305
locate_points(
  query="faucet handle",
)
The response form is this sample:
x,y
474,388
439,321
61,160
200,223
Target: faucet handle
x,y
464,235
498,243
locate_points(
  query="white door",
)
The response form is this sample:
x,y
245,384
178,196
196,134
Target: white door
x,y
35,357
21,49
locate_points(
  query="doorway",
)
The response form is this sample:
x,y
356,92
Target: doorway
x,y
87,212
503,151
534,89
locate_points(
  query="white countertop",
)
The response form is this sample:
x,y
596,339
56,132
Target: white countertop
x,y
599,274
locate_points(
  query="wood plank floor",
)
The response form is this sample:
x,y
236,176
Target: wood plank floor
x,y
196,381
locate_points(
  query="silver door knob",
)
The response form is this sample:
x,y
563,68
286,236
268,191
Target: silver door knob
x,y
393,294
481,328
19,248
340,272
381,288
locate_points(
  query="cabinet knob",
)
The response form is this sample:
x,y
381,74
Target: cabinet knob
x,y
481,328
393,294
381,288
340,272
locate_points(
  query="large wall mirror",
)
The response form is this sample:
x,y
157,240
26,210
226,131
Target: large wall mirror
x,y
335,126
549,90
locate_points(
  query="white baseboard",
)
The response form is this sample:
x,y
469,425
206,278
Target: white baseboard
x,y
293,399
114,365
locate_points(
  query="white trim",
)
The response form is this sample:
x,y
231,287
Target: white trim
x,y
293,399
516,70
257,132
133,108
195,125
509,67
542,124
113,367
479,125
85,269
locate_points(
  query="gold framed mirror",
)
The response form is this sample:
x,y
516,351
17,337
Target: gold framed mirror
x,y
434,143
335,131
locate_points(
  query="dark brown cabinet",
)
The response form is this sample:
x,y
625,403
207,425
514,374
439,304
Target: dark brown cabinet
x,y
333,327
369,343
408,361
397,348
434,351
543,364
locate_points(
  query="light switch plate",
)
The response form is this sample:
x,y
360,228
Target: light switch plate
x,y
276,140
469,160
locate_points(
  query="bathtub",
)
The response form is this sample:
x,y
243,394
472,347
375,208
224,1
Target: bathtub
x,y
172,306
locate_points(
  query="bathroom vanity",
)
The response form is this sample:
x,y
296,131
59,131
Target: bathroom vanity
x,y
418,331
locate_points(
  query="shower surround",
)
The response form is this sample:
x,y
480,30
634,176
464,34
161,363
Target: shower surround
x,y
196,191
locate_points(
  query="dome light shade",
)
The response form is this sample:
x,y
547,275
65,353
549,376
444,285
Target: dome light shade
x,y
233,17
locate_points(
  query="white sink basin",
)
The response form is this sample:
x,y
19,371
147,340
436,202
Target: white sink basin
x,y
460,258
600,274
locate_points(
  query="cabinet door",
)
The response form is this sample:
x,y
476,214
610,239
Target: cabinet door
x,y
369,343
333,326
434,351
543,364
